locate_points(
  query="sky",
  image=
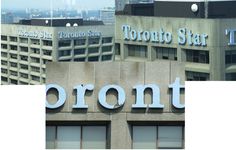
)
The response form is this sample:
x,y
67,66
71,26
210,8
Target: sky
x,y
45,4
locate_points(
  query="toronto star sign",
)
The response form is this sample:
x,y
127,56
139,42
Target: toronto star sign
x,y
121,96
185,36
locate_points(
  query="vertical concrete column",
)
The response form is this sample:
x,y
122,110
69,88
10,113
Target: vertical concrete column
x,y
216,59
123,51
120,134
181,55
149,52
55,42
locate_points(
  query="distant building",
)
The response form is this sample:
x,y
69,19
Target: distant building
x,y
6,17
27,47
120,4
107,15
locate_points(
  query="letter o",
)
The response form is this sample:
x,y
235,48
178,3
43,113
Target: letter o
x,y
168,37
146,36
61,96
133,35
102,96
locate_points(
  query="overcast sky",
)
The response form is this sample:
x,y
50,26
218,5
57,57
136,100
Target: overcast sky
x,y
78,4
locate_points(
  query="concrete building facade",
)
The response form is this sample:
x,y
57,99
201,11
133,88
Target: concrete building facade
x,y
170,30
25,49
124,125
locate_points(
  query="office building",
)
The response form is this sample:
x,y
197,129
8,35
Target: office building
x,y
6,17
26,47
107,16
201,34
118,105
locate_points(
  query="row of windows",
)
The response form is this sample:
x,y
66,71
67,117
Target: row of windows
x,y
25,49
80,42
25,40
22,66
91,59
25,58
96,137
82,51
197,56
22,75
197,76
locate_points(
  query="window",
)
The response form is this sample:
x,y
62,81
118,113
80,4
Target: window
x,y
4,46
166,53
170,137
35,51
94,137
24,58
13,56
95,58
25,67
44,80
13,39
4,71
3,38
24,40
23,75
79,51
106,40
93,50
197,76
35,60
4,79
65,60
106,49
24,49
13,73
230,76
79,42
197,56
12,81
68,137
13,47
144,137
64,43
117,49
230,57
106,57
46,60
47,43
76,137
137,51
12,64
93,41
44,70
35,78
64,53
35,41
35,69
47,52
153,137
3,54
79,59
3,62
23,83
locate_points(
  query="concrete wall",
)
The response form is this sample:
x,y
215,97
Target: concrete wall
x,y
124,74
